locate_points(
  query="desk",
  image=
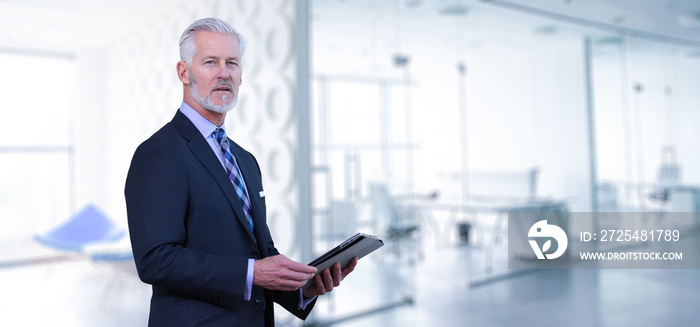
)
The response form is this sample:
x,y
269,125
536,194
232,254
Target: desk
x,y
500,207
645,197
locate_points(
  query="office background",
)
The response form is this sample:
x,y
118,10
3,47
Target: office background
x,y
417,121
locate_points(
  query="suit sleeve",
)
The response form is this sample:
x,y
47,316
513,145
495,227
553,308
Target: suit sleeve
x,y
157,201
289,300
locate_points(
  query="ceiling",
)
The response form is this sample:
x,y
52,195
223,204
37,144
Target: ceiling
x,y
67,24
674,21
369,33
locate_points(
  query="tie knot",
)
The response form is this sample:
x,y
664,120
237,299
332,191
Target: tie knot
x,y
220,134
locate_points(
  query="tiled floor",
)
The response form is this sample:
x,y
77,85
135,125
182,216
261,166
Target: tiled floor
x,y
71,293
79,293
443,297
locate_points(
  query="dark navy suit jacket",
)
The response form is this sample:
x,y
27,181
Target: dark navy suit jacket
x,y
189,236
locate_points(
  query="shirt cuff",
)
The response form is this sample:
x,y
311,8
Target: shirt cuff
x,y
303,302
249,280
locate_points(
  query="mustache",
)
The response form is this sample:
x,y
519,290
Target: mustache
x,y
226,82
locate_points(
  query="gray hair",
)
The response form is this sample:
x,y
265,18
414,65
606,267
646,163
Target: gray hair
x,y
187,46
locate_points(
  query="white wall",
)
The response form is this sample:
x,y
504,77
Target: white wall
x,y
526,108
634,124
129,89
686,104
91,132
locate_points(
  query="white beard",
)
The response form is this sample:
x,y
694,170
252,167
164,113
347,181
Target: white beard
x,y
206,102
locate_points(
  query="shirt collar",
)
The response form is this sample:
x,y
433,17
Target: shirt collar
x,y
202,124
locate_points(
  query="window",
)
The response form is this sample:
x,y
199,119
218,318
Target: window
x,y
36,145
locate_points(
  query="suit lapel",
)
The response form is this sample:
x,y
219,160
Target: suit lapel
x,y
251,176
202,151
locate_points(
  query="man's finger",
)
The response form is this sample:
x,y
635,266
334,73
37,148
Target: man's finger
x,y
337,274
319,285
350,267
300,267
297,276
328,280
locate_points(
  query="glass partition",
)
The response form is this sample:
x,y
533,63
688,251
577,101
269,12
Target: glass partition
x,y
645,108
499,111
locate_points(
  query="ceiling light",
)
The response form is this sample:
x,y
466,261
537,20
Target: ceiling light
x,y
611,40
413,3
546,30
619,19
453,8
689,19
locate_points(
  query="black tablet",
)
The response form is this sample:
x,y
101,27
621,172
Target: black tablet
x,y
359,245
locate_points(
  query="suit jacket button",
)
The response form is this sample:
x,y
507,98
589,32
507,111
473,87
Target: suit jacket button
x,y
256,254
258,299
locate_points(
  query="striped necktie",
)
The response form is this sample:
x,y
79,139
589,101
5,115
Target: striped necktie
x,y
234,173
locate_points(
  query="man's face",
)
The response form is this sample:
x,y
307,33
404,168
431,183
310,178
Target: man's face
x,y
215,72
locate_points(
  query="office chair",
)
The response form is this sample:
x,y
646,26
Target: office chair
x,y
118,263
88,226
398,219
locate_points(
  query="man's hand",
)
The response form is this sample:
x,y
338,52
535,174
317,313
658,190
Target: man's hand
x,y
281,274
326,281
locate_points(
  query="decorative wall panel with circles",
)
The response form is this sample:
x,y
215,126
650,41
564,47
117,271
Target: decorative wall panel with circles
x,y
144,93
279,104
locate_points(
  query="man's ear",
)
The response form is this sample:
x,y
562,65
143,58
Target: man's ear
x,y
183,72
